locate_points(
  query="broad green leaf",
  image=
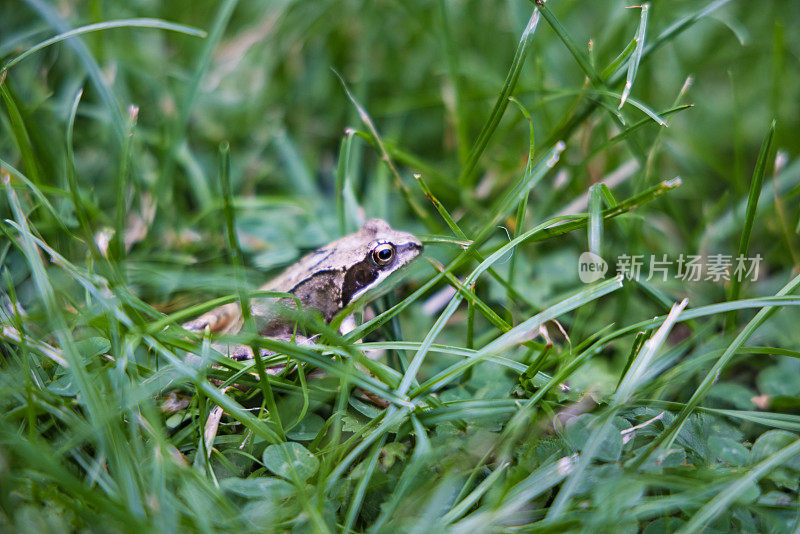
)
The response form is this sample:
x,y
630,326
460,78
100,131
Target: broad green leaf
x,y
728,450
272,489
290,460
771,442
307,429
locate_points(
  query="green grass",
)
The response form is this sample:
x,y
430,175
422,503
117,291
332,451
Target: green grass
x,y
159,160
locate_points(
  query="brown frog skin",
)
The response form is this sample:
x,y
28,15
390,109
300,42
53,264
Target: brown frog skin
x,y
340,276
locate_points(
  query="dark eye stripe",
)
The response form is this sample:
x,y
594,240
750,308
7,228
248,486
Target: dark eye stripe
x,y
358,277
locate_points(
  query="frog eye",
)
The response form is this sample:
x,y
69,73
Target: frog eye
x,y
383,254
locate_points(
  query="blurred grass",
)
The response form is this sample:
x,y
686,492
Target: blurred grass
x,y
119,210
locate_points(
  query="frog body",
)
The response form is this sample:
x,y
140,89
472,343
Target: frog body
x,y
336,278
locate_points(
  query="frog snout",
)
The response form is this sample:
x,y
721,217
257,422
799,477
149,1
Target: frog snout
x,y
413,245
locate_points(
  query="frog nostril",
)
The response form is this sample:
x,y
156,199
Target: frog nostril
x,y
414,245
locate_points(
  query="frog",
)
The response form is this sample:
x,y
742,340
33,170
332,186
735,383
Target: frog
x,y
333,281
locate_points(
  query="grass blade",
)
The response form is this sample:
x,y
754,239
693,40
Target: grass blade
x,y
756,184
102,26
520,333
21,136
398,180
467,177
726,496
713,374
177,132
636,58
595,220
628,386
